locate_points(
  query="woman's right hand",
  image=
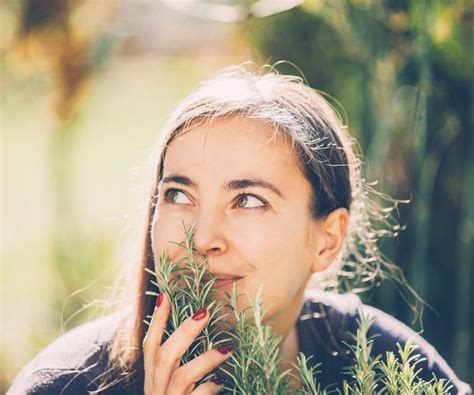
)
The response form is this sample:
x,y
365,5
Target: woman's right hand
x,y
163,373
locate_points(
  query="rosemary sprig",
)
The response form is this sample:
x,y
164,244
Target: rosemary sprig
x,y
255,365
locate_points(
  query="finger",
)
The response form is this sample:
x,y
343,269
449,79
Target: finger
x,y
152,340
175,346
208,388
194,370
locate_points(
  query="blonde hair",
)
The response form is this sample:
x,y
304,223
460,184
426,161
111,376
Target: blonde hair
x,y
328,157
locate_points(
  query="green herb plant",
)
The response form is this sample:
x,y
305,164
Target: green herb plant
x,y
255,365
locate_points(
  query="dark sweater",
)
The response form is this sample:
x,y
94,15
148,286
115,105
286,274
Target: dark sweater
x,y
73,363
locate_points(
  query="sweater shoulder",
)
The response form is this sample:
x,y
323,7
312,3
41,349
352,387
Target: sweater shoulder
x,y
71,362
329,321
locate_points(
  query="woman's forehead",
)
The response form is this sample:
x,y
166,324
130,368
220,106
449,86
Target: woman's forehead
x,y
231,148
236,137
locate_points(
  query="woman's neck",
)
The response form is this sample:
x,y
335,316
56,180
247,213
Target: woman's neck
x,y
289,351
290,347
285,326
284,322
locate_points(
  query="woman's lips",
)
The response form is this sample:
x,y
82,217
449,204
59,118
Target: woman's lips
x,y
225,282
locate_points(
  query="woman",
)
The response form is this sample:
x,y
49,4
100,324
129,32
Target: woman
x,y
266,171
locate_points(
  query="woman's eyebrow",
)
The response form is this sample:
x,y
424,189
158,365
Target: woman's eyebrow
x,y
229,185
252,182
179,179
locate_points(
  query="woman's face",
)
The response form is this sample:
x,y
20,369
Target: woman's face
x,y
239,182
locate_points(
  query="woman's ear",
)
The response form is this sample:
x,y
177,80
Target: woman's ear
x,y
332,231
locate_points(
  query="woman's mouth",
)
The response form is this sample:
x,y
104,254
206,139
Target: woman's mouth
x,y
225,282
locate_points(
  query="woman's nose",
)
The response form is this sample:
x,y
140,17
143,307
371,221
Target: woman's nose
x,y
209,234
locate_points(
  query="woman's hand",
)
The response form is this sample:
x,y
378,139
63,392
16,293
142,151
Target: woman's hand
x,y
163,373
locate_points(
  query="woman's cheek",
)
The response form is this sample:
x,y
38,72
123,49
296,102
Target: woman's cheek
x,y
166,229
251,230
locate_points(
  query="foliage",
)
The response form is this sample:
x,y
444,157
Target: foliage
x,y
402,72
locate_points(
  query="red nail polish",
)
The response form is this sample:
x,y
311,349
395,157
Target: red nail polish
x,y
200,314
159,299
218,380
225,349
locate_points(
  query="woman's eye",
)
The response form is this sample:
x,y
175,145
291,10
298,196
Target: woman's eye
x,y
246,201
176,196
249,201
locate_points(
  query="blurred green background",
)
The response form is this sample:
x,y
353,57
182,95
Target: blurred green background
x,y
86,85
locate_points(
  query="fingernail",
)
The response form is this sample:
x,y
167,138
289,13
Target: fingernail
x,y
200,314
159,299
218,380
225,349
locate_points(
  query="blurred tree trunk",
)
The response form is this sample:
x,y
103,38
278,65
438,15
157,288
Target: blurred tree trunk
x,y
47,31
464,294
